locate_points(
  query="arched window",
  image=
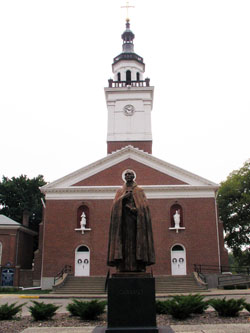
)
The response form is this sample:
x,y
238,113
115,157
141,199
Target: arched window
x,y
177,248
1,250
128,77
176,215
137,76
83,209
83,248
119,76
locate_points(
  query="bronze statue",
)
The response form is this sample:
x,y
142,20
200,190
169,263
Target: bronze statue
x,y
131,246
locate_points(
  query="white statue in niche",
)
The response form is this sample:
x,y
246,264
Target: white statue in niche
x,y
177,219
83,221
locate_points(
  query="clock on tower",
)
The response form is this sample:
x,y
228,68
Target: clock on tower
x,y
129,100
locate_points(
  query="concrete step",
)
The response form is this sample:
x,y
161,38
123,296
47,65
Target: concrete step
x,y
96,285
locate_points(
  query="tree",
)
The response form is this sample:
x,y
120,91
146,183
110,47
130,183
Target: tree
x,y
234,210
19,195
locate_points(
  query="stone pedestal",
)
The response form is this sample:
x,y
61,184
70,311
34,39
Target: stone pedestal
x,y
131,305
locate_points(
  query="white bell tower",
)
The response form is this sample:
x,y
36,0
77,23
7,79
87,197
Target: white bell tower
x,y
129,100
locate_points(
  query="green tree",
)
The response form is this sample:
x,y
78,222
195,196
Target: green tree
x,y
234,210
21,194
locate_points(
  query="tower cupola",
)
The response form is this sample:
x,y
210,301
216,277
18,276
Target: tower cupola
x,y
128,37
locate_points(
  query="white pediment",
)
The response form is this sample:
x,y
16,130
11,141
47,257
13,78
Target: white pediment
x,y
128,152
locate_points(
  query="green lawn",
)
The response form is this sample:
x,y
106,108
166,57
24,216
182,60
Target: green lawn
x,y
11,290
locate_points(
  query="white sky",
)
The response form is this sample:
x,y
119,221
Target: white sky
x,y
55,60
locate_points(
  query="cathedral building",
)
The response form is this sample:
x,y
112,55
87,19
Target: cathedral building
x,y
183,208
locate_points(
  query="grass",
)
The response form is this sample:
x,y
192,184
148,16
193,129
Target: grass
x,y
12,290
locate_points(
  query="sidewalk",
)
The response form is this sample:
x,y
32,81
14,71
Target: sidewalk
x,y
209,293
220,328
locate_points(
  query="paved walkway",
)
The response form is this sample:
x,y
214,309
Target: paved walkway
x,y
219,328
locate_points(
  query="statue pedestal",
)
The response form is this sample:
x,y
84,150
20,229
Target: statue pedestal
x,y
131,305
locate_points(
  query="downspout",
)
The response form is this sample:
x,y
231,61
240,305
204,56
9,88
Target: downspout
x,y
17,245
217,229
44,207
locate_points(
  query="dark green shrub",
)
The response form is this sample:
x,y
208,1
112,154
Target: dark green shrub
x,y
229,287
180,308
228,308
86,310
161,307
8,289
198,303
195,302
42,311
7,311
247,306
241,286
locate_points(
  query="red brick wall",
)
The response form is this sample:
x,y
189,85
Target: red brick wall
x,y
8,240
38,255
199,238
25,250
144,176
17,248
142,145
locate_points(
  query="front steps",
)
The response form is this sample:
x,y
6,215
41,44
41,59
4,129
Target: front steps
x,y
177,284
95,285
82,285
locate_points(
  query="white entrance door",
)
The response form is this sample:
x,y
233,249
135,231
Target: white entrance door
x,y
82,261
178,260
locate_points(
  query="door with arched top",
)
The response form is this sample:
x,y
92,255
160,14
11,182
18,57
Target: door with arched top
x,y
82,261
178,260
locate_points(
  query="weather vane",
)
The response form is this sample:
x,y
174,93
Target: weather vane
x,y
127,7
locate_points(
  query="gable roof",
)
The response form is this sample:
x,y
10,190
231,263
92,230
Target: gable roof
x,y
128,152
4,220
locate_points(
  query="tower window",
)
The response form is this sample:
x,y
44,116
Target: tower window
x,y
119,76
137,76
128,77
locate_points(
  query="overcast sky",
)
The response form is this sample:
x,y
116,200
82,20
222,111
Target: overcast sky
x,y
55,60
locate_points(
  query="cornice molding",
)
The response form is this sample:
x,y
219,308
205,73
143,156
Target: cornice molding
x,y
121,155
151,191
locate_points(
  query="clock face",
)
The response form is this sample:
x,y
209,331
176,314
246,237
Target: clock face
x,y
129,110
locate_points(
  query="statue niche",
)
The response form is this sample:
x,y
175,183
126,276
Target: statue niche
x,y
176,218
83,219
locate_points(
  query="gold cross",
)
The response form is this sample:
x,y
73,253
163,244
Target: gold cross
x,y
127,7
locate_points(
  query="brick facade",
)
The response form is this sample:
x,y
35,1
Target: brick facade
x,y
202,237
62,240
113,146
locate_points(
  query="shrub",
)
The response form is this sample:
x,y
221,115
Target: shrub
x,y
161,307
197,302
241,286
229,287
8,289
180,307
86,310
7,311
228,308
42,311
247,306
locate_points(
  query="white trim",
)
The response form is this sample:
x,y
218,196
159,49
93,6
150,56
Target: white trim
x,y
177,229
1,252
217,233
151,191
121,155
18,227
76,250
